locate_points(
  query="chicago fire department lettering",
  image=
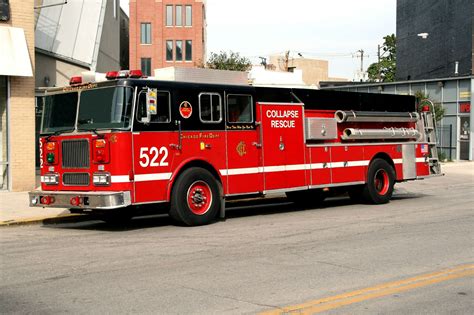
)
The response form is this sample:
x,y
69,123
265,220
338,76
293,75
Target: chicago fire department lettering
x,y
282,118
241,148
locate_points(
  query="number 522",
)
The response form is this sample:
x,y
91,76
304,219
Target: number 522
x,y
149,157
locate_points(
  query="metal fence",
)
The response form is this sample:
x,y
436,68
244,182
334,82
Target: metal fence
x,y
444,138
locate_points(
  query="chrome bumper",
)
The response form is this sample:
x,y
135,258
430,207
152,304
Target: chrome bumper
x,y
87,200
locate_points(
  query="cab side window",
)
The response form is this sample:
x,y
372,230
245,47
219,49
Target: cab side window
x,y
239,108
158,108
210,108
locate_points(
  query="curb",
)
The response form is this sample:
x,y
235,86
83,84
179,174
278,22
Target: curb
x,y
65,218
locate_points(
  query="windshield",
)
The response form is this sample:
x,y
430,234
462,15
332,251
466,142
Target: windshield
x,y
103,108
107,108
59,112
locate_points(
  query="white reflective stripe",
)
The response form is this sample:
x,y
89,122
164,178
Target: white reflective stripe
x,y
358,163
120,179
422,159
151,177
397,161
283,168
291,167
42,179
240,171
317,166
348,164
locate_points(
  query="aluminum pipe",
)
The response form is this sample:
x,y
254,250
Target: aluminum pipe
x,y
387,133
360,116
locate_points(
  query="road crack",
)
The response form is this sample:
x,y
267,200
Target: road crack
x,y
230,298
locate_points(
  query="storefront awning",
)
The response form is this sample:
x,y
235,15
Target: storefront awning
x,y
14,56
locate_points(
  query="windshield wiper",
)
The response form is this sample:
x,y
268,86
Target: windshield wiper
x,y
56,133
94,130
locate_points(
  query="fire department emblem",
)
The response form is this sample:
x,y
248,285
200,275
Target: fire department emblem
x,y
241,149
185,109
113,139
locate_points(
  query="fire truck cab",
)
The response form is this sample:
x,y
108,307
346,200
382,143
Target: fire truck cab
x,y
131,141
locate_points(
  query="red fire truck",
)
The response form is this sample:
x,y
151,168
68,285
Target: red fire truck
x,y
131,141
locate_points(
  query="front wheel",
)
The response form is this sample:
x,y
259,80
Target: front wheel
x,y
195,198
380,182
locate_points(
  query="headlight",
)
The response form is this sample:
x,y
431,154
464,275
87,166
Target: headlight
x,y
50,179
101,179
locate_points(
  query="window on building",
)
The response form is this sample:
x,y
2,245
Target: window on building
x,y
179,50
145,33
169,50
179,15
189,50
146,66
189,15
210,107
239,108
169,15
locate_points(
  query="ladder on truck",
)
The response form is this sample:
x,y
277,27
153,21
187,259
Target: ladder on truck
x,y
428,120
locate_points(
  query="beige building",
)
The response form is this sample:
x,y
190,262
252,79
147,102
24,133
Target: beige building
x,y
314,70
17,91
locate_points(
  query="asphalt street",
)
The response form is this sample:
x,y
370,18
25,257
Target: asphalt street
x,y
414,255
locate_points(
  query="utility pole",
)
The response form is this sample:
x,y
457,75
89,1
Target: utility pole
x,y
287,59
361,51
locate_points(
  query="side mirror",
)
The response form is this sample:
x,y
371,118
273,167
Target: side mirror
x,y
151,101
151,109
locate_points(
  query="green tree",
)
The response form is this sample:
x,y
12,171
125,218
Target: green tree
x,y
438,108
384,70
228,61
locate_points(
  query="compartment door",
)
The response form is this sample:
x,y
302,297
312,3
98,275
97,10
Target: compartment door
x,y
283,147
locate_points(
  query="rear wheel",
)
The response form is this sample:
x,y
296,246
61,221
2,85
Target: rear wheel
x,y
380,181
195,198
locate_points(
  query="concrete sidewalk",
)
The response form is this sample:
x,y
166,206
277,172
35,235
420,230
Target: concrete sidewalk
x,y
15,209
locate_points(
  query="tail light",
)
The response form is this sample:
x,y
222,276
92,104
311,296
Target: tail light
x,y
101,152
51,153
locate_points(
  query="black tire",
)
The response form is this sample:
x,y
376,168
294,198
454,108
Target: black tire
x,y
195,198
307,198
380,182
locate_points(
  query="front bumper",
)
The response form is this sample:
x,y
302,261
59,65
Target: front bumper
x,y
85,200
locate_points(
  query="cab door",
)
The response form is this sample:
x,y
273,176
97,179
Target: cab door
x,y
243,173
152,155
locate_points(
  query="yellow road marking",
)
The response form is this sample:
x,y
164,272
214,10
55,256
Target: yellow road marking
x,y
333,302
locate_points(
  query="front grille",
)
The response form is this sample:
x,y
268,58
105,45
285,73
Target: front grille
x,y
75,153
76,179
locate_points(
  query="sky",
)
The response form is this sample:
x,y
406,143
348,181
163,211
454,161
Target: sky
x,y
332,30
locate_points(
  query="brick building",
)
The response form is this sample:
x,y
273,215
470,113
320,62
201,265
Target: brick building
x,y
165,33
17,90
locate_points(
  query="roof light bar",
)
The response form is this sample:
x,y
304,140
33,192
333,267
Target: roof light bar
x,y
135,74
75,80
111,75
